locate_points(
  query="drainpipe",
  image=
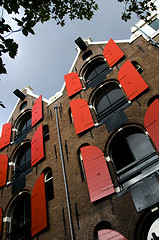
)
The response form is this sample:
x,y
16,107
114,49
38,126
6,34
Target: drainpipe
x,y
156,44
64,176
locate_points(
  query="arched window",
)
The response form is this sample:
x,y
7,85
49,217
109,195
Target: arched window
x,y
147,226
133,155
137,66
108,99
22,159
95,72
48,178
152,99
70,115
20,226
24,123
80,161
46,132
100,226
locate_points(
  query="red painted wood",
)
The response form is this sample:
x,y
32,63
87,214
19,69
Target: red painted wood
x,y
6,135
38,207
151,122
98,177
131,81
112,53
37,111
1,219
108,234
3,169
73,83
37,146
82,117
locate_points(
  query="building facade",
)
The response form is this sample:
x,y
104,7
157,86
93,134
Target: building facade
x,y
84,164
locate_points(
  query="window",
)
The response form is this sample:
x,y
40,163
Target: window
x,y
80,161
46,133
23,105
22,159
137,66
48,183
24,124
95,72
108,99
70,115
133,155
87,54
147,227
152,99
20,226
155,24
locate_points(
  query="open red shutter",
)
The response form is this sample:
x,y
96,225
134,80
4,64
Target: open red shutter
x,y
131,81
6,135
112,53
1,219
37,146
73,83
98,177
151,122
108,234
82,117
38,207
3,169
37,111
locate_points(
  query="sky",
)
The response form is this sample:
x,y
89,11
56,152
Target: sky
x,y
44,58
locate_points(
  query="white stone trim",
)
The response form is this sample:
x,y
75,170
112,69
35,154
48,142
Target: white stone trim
x,y
108,159
12,164
14,130
117,189
7,219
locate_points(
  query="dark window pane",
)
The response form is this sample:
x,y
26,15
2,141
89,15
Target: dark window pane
x,y
155,24
139,145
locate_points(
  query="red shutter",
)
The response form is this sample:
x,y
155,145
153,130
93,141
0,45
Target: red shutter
x,y
112,53
6,135
37,111
73,83
82,117
131,81
108,234
37,146
151,121
1,219
3,169
38,207
98,178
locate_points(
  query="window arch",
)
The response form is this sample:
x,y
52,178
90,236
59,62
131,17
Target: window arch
x,y
20,214
133,155
22,159
80,161
48,178
95,72
108,99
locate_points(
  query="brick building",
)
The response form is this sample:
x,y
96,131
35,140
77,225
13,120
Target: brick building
x,y
84,164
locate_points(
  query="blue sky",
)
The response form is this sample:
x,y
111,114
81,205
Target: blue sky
x,y
43,59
